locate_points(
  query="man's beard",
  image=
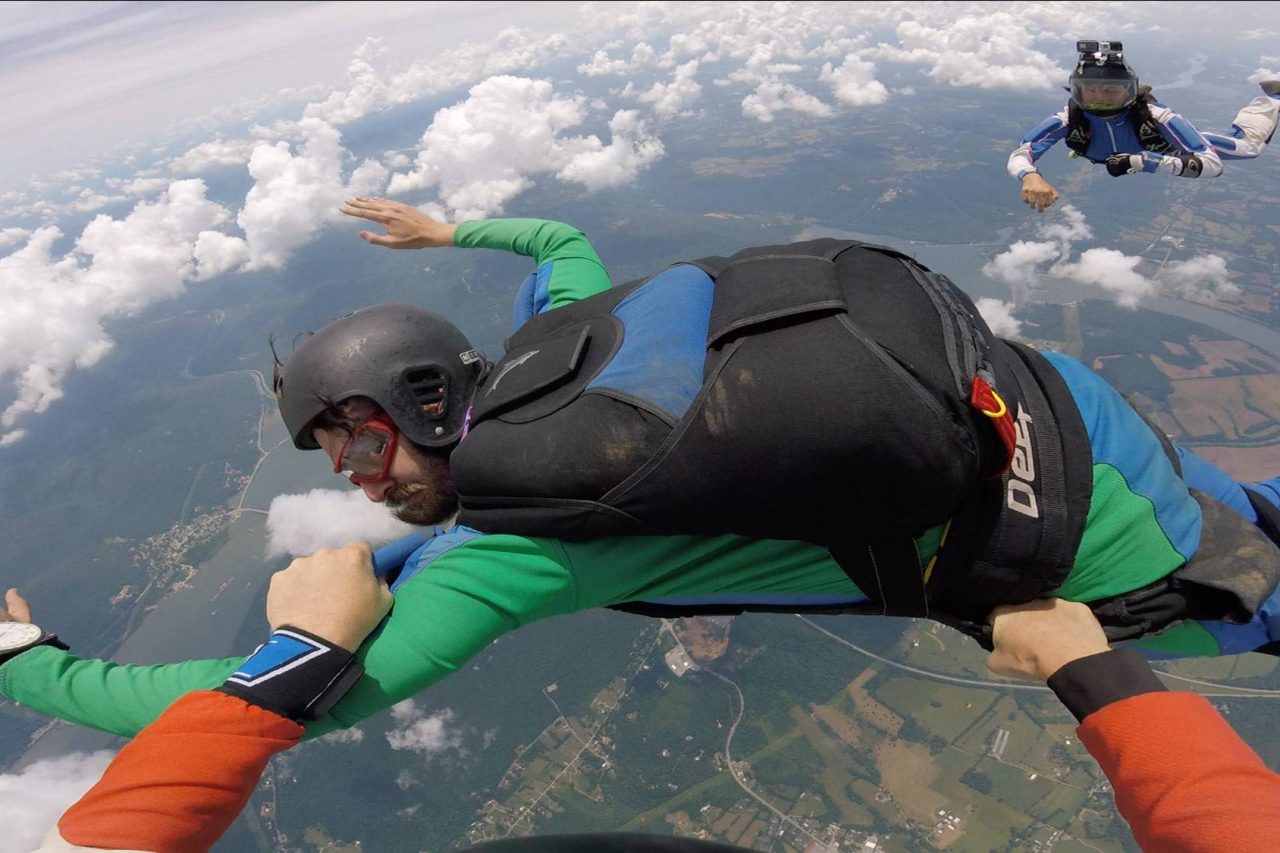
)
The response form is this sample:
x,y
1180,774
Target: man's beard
x,y
429,501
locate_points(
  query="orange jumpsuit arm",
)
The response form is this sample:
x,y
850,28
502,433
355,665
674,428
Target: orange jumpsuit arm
x,y
183,780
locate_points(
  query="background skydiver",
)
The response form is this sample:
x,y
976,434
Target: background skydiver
x,y
1111,119
459,590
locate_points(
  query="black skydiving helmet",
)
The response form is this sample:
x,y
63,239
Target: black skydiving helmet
x,y
413,363
1103,83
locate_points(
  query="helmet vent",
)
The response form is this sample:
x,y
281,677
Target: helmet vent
x,y
429,387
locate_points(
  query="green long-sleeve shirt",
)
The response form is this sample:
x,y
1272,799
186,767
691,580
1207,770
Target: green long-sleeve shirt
x,y
489,585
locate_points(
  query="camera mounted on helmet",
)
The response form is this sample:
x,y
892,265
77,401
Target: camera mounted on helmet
x,y
1103,83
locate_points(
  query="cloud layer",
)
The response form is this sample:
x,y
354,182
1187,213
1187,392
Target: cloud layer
x,y
506,126
32,800
1109,271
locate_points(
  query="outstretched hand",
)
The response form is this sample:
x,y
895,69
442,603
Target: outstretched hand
x,y
1037,192
407,227
16,608
1036,639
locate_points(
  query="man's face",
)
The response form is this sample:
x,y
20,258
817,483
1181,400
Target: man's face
x,y
1103,95
418,487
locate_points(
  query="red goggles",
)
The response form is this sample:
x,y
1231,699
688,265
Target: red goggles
x,y
366,456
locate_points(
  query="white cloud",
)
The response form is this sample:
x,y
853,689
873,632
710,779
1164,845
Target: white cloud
x,y
12,236
673,98
598,166
1017,266
295,195
1263,73
989,51
854,82
323,518
643,56
772,97
351,735
1113,271
416,731
32,800
1067,228
365,92
1203,277
480,154
55,308
217,253
207,155
999,316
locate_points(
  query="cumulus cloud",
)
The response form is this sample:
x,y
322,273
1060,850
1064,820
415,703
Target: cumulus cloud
x,y
32,800
989,51
298,525
772,97
598,166
1111,270
673,98
207,155
295,195
351,735
56,307
366,90
12,236
1204,278
480,154
369,89
1018,265
430,735
999,316
138,186
854,82
642,56
1263,73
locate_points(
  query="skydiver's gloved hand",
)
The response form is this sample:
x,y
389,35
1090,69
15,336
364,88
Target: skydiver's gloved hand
x,y
407,227
1128,164
1123,164
320,609
1037,192
1036,639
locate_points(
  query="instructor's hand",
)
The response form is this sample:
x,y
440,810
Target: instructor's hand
x,y
1037,192
16,608
333,594
1036,639
407,227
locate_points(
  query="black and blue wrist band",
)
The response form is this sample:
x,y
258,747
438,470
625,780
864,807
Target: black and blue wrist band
x,y
295,674
1090,683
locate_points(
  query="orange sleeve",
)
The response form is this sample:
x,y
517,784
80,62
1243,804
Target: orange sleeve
x,y
1183,779
180,783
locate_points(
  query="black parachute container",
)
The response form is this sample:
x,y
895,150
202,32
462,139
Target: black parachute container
x,y
846,401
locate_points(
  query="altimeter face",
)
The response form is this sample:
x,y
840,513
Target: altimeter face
x,y
15,635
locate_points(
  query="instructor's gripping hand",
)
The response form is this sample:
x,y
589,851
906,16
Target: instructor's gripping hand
x,y
1036,639
1037,192
16,608
332,594
407,227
